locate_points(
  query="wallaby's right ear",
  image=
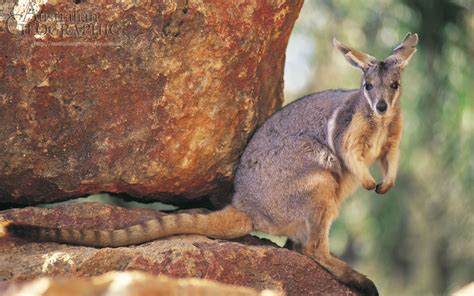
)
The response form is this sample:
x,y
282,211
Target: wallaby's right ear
x,y
403,52
357,58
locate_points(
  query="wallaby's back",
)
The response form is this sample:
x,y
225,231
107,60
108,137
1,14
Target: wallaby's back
x,y
277,162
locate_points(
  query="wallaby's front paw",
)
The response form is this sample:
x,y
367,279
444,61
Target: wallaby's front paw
x,y
383,187
369,184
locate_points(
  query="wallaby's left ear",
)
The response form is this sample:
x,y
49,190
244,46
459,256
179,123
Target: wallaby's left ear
x,y
403,52
356,58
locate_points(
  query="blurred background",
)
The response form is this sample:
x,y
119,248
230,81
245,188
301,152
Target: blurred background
x,y
419,238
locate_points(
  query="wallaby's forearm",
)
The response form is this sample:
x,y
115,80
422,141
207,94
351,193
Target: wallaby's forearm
x,y
353,149
357,167
390,158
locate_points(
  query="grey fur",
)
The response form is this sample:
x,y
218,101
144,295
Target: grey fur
x,y
291,145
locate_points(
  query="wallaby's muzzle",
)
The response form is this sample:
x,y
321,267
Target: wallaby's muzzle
x,y
381,106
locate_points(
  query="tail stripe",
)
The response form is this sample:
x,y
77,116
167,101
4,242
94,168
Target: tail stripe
x,y
77,235
154,224
161,224
119,235
96,236
178,221
127,233
105,236
36,231
65,234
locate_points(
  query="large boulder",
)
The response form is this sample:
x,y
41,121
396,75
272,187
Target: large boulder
x,y
156,99
246,262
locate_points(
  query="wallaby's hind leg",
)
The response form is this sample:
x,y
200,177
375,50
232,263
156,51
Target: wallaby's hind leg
x,y
317,248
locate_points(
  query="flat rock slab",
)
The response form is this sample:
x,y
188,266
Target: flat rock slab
x,y
155,99
239,262
131,284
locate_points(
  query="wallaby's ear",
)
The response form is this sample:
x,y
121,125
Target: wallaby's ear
x,y
403,52
356,58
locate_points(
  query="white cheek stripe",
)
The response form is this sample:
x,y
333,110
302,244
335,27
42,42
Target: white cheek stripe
x,y
397,95
331,128
366,95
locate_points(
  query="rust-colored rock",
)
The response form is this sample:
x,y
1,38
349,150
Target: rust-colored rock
x,y
130,284
156,99
241,262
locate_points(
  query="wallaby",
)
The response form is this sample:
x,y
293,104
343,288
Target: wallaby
x,y
295,172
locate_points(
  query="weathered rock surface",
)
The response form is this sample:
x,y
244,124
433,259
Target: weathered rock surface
x,y
156,99
245,262
467,290
130,284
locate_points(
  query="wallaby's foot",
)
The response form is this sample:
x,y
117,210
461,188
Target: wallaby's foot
x,y
345,274
296,247
341,270
363,286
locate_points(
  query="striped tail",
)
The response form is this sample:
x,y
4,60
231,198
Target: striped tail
x,y
227,223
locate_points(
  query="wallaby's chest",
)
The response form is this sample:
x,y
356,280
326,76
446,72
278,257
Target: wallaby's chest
x,y
375,142
365,138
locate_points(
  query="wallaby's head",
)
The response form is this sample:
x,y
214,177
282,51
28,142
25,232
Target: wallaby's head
x,y
381,79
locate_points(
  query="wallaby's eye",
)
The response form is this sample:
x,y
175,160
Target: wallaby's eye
x,y
368,86
394,85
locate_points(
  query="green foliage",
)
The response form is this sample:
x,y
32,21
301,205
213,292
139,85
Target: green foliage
x,y
419,238
278,240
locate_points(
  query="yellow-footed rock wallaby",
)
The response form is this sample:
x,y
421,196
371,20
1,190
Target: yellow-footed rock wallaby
x,y
295,172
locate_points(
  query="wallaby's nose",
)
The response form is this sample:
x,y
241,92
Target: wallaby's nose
x,y
381,106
